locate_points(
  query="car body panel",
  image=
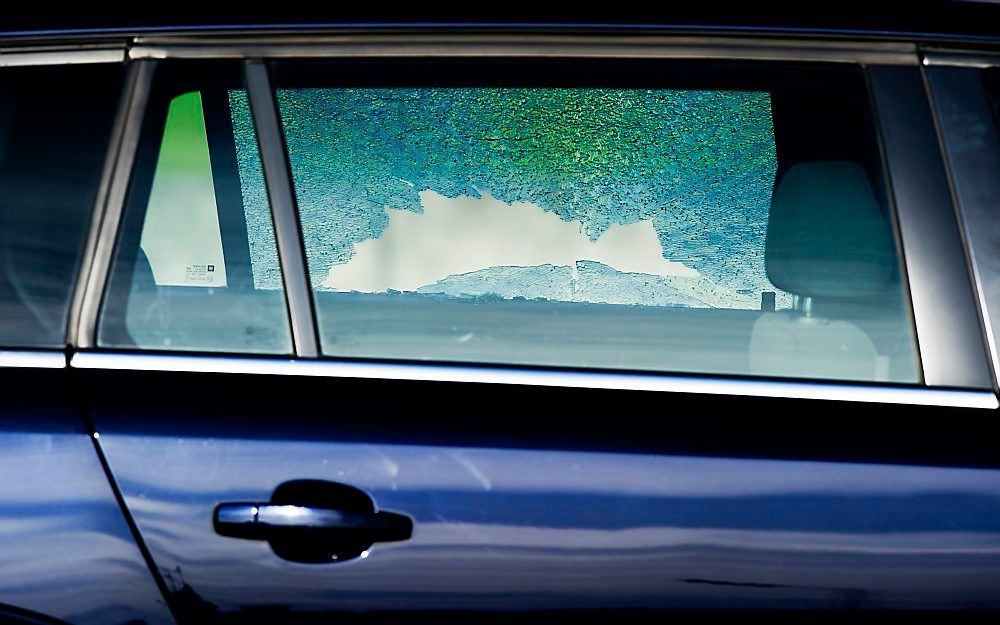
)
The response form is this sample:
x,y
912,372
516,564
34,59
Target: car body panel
x,y
67,549
535,500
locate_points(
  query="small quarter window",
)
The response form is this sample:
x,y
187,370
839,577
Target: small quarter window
x,y
197,266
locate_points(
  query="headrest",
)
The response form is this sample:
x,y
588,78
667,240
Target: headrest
x,y
826,236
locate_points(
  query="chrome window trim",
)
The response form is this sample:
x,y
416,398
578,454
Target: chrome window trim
x,y
109,207
24,359
943,57
664,383
972,150
78,55
375,44
951,345
284,209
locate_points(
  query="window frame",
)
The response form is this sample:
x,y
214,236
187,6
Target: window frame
x,y
947,362
939,280
970,137
163,84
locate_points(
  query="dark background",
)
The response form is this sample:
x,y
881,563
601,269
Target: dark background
x,y
979,19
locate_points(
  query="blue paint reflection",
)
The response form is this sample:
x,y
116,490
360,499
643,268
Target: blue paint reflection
x,y
66,550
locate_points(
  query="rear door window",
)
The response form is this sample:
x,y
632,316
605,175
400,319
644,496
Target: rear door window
x,y
55,123
700,218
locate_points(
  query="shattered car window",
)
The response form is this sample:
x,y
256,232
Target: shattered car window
x,y
620,228
603,214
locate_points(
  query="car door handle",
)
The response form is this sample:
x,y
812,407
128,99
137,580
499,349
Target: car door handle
x,y
313,521
264,521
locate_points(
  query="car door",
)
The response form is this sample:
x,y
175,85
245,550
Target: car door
x,y
392,334
67,550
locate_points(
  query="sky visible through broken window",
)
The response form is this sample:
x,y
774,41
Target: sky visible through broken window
x,y
618,196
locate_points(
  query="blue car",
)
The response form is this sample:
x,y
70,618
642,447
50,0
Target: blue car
x,y
362,321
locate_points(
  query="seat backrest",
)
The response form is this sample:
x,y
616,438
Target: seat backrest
x,y
826,239
788,344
